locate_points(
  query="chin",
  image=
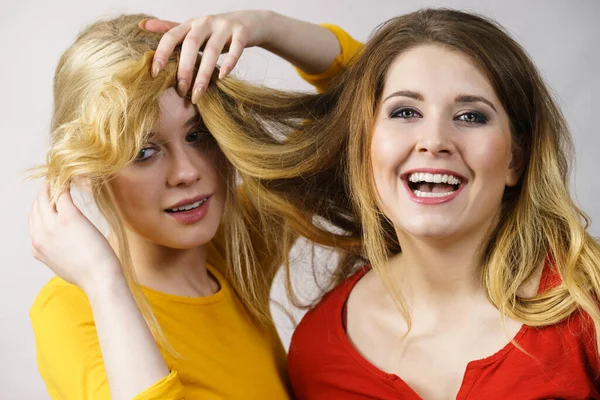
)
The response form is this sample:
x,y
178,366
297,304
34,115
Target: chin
x,y
187,243
429,228
188,237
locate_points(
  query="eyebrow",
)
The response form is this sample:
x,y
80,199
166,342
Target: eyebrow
x,y
406,93
469,98
195,120
461,98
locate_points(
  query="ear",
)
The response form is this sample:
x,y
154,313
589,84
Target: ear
x,y
515,167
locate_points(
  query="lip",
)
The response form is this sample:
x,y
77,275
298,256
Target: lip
x,y
433,200
187,201
191,216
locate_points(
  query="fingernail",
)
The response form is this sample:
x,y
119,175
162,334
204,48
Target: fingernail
x,y
156,66
182,87
142,24
223,71
197,92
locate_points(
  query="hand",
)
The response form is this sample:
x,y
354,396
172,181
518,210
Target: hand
x,y
68,243
229,32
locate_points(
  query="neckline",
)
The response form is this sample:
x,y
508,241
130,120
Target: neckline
x,y
204,300
472,368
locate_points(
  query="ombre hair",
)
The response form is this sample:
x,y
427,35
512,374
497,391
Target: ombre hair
x,y
322,170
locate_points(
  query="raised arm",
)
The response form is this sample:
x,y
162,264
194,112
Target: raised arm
x,y
81,356
310,47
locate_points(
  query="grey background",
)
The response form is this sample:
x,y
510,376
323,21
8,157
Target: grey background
x,y
563,37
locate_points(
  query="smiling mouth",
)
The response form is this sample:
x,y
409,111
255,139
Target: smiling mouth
x,y
187,207
428,185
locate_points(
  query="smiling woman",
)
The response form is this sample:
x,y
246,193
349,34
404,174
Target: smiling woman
x,y
477,276
441,125
181,152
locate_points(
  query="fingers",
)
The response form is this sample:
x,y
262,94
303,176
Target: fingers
x,y
219,32
194,39
166,46
40,218
237,46
65,204
157,25
210,56
43,197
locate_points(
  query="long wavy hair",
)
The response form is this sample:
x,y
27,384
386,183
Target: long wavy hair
x,y
321,170
105,106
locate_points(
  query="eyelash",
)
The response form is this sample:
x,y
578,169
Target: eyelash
x,y
481,119
202,136
139,159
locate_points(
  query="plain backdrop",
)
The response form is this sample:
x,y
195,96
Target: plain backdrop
x,y
563,37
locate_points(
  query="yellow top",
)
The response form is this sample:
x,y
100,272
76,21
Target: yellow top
x,y
349,48
224,354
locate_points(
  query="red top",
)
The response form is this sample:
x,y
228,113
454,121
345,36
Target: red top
x,y
323,364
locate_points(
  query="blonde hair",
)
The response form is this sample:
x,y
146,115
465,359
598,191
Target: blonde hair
x,y
323,169
105,106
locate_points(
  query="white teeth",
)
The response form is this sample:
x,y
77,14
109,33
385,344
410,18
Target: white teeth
x,y
418,193
433,178
188,207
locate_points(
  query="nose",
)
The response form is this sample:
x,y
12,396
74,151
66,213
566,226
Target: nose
x,y
436,137
184,169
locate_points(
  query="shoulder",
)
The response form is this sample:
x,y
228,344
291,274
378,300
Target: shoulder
x,y
59,301
326,316
318,347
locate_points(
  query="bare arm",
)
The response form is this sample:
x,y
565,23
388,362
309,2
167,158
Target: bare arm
x,y
308,46
69,244
132,359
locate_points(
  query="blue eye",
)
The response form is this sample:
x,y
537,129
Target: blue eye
x,y
145,154
472,118
404,113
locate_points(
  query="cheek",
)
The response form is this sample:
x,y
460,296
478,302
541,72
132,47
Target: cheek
x,y
214,165
136,192
490,154
390,148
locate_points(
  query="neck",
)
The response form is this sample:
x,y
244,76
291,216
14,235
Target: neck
x,y
438,271
173,271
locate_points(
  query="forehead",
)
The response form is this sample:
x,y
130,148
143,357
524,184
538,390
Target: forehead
x,y
175,112
436,69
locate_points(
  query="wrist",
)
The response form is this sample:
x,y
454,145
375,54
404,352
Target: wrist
x,y
269,19
100,285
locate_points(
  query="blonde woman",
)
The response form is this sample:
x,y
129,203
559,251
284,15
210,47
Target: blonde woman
x,y
444,153
175,303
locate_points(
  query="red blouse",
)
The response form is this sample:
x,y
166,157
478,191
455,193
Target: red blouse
x,y
323,364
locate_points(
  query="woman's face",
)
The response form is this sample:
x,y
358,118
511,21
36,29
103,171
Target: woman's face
x,y
441,146
173,195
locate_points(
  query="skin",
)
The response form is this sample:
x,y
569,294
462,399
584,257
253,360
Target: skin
x,y
437,272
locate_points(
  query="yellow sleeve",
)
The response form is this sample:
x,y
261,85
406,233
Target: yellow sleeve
x,y
68,351
349,46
